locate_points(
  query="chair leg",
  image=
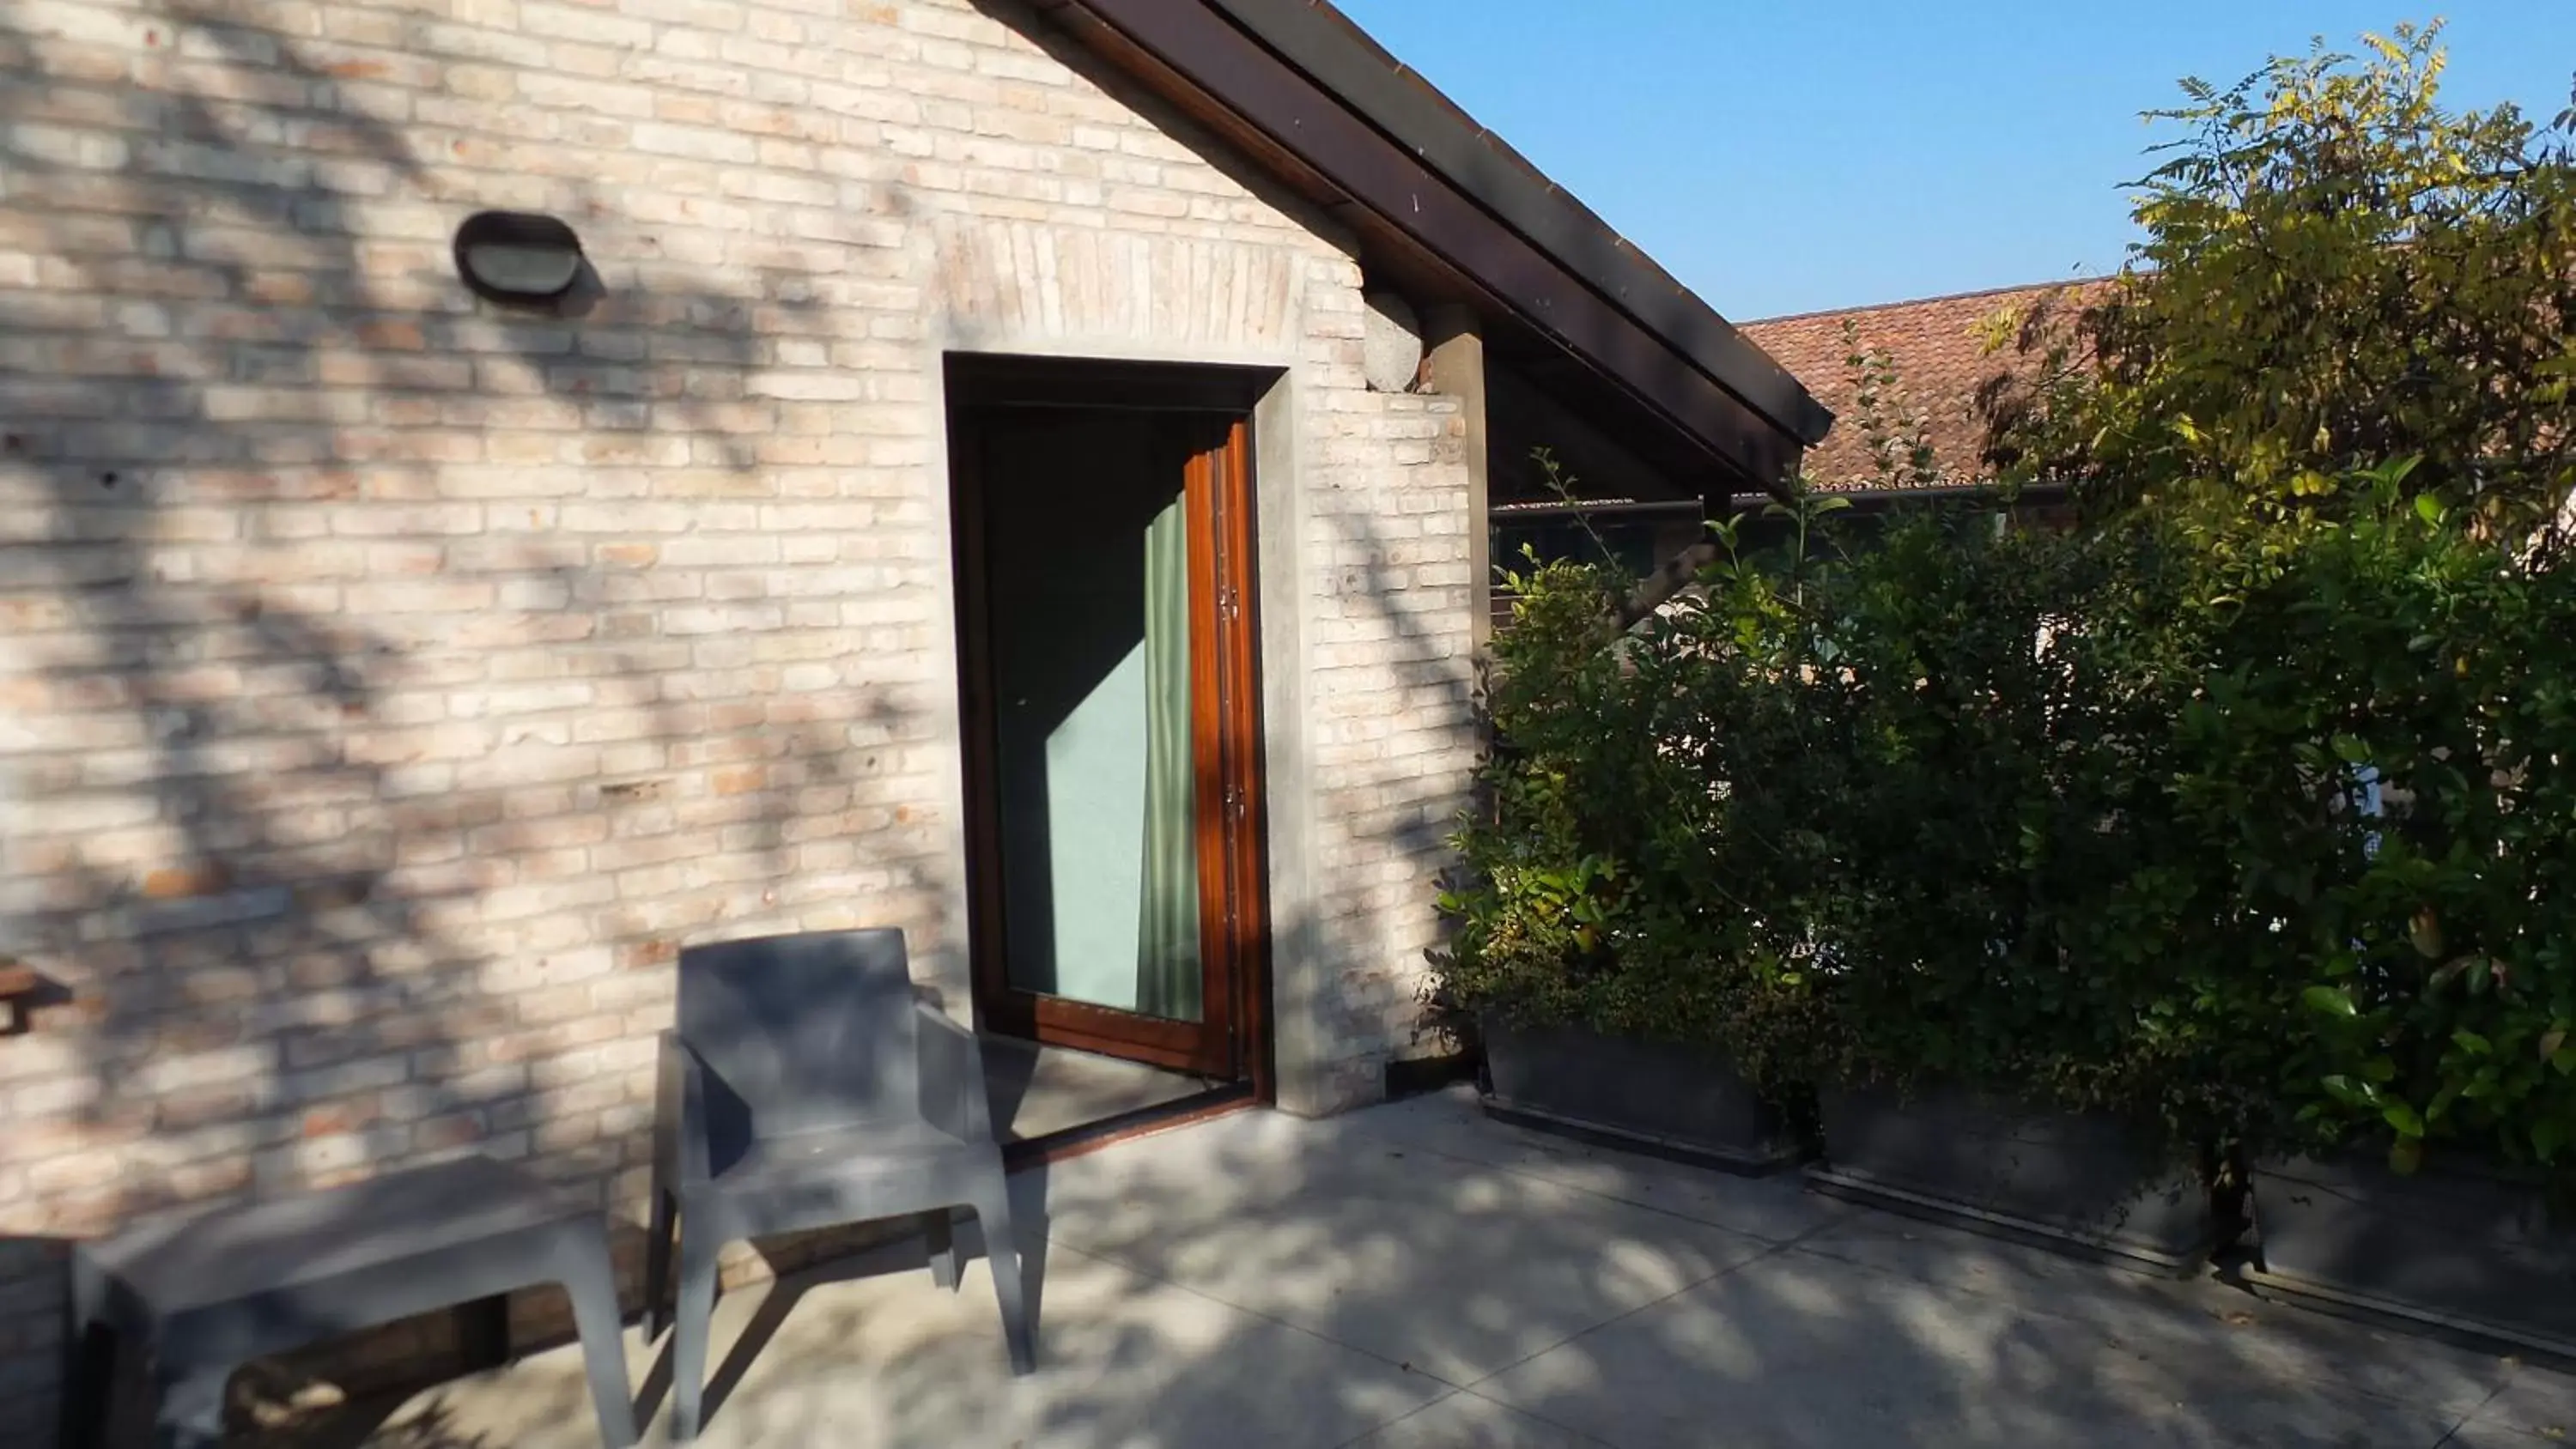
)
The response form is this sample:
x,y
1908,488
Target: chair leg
x,y
483,1333
191,1408
591,1279
87,1387
657,1266
946,1263
89,1347
689,1327
1001,1253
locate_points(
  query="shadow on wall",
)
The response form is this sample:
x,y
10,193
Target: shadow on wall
x,y
350,783
377,718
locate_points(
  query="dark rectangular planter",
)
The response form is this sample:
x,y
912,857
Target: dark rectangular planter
x,y
1651,1096
2453,1246
2063,1179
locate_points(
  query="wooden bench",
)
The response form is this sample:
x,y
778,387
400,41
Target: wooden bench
x,y
201,1297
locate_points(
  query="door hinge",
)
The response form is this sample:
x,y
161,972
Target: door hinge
x,y
1229,604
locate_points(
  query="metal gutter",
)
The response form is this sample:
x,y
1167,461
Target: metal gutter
x,y
1616,507
1867,501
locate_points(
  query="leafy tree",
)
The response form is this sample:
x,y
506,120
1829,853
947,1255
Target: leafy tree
x,y
2338,272
2243,813
1891,426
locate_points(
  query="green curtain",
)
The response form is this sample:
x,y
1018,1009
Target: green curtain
x,y
1167,939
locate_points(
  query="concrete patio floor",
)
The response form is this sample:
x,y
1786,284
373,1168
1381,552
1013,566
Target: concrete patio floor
x,y
1417,1277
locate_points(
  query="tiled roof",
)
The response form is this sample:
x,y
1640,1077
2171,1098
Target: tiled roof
x,y
1940,365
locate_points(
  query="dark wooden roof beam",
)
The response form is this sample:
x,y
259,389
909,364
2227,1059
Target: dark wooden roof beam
x,y
1222,76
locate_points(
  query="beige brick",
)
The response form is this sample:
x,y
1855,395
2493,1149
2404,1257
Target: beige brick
x,y
583,638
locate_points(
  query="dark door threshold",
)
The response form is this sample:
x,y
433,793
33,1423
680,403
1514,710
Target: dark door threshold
x,y
1127,1126
1413,1076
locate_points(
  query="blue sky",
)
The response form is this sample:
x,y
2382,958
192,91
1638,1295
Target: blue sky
x,y
1790,157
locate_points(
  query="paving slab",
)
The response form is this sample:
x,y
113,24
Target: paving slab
x,y
1467,1421
1454,1268
1797,1350
883,1360
1421,1278
2197,1327
1776,1208
2483,1434
2537,1400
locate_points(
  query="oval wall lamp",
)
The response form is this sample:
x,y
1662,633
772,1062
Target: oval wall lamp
x,y
518,258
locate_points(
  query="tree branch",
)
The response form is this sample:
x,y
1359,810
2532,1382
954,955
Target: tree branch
x,y
1670,578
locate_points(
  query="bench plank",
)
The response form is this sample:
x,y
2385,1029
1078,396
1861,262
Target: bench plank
x,y
264,1247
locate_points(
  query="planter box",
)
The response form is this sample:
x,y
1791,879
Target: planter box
x,y
2455,1246
1648,1096
2058,1178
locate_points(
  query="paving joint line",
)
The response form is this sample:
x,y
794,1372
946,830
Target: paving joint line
x,y
1416,1412
1150,1276
1582,1333
1365,1434
2492,1395
1770,1248
2098,1272
1648,1207
1768,1252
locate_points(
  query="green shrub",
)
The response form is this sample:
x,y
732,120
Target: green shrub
x,y
1987,766
2246,814
2069,818
2404,976
1808,814
1613,878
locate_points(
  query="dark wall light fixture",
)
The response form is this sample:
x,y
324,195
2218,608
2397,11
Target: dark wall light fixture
x,y
518,258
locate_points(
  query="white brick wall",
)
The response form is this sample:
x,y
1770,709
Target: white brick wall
x,y
1391,725
389,684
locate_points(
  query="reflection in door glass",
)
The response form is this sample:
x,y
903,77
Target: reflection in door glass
x,y
1087,537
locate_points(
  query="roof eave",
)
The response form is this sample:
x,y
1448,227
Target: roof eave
x,y
1319,40
1201,53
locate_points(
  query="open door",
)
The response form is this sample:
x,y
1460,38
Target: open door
x,y
1107,670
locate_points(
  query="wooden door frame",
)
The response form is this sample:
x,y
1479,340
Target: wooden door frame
x,y
1233,1040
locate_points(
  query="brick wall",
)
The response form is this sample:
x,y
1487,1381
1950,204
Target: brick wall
x,y
390,684
1393,730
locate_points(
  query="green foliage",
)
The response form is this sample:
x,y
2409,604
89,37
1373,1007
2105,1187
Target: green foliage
x,y
1894,431
2336,271
1607,882
2414,964
2072,818
1806,811
2246,813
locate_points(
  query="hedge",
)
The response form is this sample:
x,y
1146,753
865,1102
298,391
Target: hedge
x,y
2086,819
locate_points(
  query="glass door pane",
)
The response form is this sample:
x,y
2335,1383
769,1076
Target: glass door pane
x,y
1088,544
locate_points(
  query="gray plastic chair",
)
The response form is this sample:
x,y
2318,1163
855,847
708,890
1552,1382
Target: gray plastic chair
x,y
809,1086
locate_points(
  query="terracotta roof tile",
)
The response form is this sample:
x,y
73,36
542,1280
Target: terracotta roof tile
x,y
1940,366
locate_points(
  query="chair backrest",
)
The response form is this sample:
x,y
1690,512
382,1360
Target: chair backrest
x,y
807,1031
